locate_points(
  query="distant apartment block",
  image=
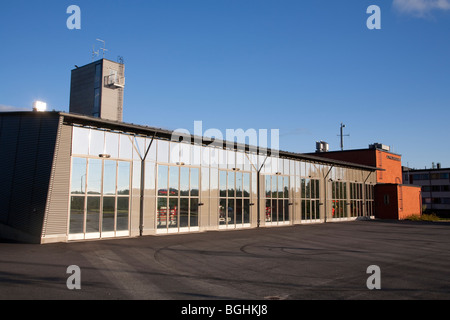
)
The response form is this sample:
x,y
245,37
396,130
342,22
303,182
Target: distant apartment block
x,y
435,184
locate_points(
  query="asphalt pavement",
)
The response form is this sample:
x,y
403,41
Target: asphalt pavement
x,y
331,261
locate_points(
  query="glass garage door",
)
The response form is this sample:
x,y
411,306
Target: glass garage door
x,y
277,200
100,198
178,199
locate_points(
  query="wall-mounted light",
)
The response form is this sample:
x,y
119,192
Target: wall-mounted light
x,y
39,106
104,155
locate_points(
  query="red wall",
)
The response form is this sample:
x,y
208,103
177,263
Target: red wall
x,y
404,201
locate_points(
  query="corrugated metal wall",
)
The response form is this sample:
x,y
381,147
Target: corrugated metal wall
x,y
56,214
27,144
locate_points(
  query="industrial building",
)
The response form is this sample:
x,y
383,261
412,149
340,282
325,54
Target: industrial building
x,y
393,198
75,177
86,174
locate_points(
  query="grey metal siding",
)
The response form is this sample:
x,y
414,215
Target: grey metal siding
x,y
8,145
56,214
27,145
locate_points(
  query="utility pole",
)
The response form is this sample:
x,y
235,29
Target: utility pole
x,y
343,135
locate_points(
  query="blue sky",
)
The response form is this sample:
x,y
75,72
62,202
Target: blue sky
x,y
302,67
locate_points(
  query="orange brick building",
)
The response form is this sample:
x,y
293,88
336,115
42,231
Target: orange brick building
x,y
393,200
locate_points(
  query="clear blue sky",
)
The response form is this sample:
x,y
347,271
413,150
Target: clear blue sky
x,y
300,66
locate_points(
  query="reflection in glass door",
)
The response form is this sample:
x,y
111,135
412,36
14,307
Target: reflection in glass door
x,y
178,199
277,199
234,205
99,204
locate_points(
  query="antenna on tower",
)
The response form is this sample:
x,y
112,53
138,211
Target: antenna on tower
x,y
342,135
104,46
94,53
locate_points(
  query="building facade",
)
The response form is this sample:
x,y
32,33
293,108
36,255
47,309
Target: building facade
x,y
435,185
72,177
393,199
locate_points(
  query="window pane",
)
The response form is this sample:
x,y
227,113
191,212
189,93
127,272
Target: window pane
x,y
122,213
304,188
94,176
97,141
173,213
268,211
230,210
231,191
173,181
214,181
150,176
317,189
286,210
126,147
76,215
223,183
194,213
280,187
223,211
78,184
123,178
303,209
184,212
185,153
152,152
93,214
112,144
184,181
268,187
205,156
239,211
246,185
246,211
161,213
274,210
274,187
96,109
205,181
286,187
163,151
196,155
238,184
174,152
163,173
139,148
109,178
214,156
280,210
109,207
80,141
194,181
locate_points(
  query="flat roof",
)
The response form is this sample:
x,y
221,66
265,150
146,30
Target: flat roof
x,y
147,131
358,150
424,170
